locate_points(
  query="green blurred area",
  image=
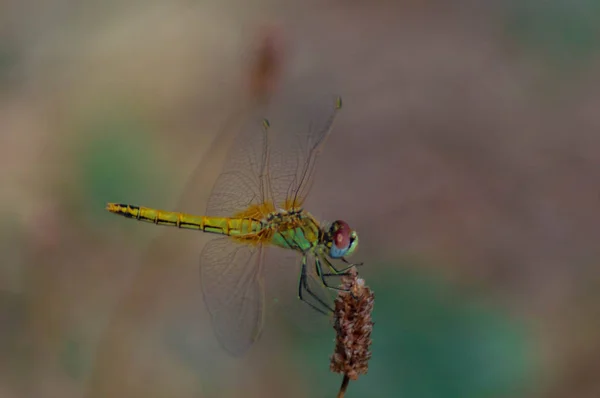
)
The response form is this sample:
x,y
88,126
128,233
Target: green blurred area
x,y
74,360
9,59
119,160
566,33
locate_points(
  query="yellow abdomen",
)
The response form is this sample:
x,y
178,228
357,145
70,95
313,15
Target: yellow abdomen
x,y
217,225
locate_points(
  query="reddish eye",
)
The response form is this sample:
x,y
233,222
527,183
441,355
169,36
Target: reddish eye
x,y
341,237
342,240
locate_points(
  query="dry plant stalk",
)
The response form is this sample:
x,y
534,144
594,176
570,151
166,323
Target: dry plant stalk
x,y
353,326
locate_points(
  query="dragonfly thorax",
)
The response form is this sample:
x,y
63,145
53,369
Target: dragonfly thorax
x,y
283,215
293,229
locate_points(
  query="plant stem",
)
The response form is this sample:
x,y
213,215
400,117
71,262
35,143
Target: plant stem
x,y
343,387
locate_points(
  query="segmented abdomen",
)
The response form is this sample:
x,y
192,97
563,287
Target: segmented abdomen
x,y
237,227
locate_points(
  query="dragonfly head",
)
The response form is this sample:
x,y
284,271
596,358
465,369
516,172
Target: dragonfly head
x,y
341,240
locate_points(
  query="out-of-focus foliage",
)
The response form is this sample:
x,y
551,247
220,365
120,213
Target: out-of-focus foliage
x,y
75,361
119,161
568,32
13,344
8,61
12,245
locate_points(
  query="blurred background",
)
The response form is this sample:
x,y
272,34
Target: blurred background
x,y
466,156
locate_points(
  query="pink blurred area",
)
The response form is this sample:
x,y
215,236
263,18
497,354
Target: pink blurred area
x,y
456,144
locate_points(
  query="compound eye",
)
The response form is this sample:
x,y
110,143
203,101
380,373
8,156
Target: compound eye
x,y
340,239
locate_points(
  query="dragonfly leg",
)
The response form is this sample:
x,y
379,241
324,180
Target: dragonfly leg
x,y
303,285
342,272
322,276
337,272
351,264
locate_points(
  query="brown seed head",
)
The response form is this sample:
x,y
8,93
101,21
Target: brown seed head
x,y
353,326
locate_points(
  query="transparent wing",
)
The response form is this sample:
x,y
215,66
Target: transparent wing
x,y
233,292
242,182
297,138
274,167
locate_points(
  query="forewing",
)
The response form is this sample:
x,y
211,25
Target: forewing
x,y
297,135
233,292
242,180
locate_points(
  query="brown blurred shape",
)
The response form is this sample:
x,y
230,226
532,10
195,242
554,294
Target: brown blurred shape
x,y
265,70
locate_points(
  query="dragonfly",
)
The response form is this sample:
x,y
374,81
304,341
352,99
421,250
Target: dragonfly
x,y
257,203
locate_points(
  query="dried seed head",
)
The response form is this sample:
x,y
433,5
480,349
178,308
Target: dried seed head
x,y
353,326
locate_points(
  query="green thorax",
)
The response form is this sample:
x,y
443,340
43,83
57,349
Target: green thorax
x,y
296,230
